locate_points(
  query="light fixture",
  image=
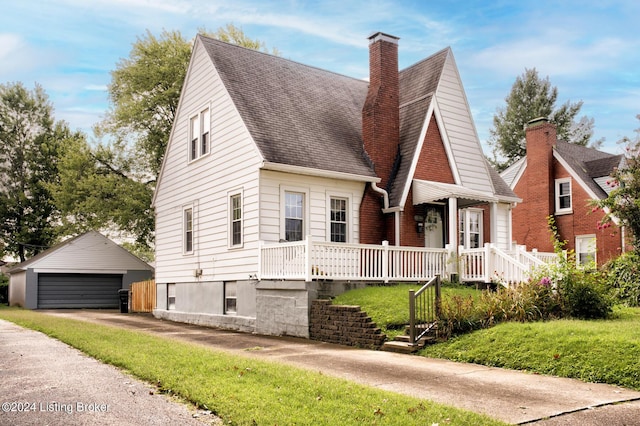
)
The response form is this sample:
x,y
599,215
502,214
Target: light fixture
x,y
419,223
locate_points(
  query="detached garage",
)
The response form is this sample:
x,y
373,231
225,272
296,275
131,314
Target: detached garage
x,y
83,272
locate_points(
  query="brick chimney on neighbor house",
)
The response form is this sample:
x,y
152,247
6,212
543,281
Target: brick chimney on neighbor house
x,y
541,138
381,111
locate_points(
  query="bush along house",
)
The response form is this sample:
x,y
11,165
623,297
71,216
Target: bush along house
x,y
283,183
560,179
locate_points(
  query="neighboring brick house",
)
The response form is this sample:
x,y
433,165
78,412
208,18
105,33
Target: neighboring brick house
x,y
560,179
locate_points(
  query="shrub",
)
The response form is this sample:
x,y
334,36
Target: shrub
x,y
623,276
585,295
530,301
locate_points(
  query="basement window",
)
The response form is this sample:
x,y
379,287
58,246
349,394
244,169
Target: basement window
x,y
230,298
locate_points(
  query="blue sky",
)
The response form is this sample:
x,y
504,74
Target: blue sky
x,y
588,49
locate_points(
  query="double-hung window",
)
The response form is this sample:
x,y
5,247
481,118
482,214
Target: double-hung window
x,y
563,195
235,220
470,228
338,220
585,250
187,229
199,131
293,216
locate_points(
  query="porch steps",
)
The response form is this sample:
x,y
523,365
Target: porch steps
x,y
402,343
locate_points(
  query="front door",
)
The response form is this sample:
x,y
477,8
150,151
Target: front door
x,y
433,228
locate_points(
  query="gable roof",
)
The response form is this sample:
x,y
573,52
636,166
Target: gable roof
x,y
77,245
305,117
590,166
297,115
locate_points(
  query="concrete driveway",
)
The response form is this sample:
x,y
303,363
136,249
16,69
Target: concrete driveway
x,y
512,396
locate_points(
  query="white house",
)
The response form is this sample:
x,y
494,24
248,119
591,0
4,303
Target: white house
x,y
279,177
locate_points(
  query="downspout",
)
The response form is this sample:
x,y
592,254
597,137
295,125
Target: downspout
x,y
385,209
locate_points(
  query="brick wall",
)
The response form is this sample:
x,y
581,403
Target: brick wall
x,y
343,325
537,189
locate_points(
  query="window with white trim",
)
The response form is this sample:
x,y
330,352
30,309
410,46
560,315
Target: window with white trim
x,y
563,195
585,249
187,230
235,220
199,131
293,216
338,219
470,228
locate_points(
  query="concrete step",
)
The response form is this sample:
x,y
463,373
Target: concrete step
x,y
400,347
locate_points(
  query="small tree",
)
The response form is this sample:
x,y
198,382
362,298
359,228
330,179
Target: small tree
x,y
622,206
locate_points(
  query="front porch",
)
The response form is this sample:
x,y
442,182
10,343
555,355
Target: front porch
x,y
312,260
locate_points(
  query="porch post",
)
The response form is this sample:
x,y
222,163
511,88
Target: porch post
x,y
260,245
453,221
307,258
493,223
385,261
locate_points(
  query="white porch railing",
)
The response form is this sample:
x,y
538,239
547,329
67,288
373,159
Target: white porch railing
x,y
491,263
310,260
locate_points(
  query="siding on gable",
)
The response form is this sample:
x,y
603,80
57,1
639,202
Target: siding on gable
x,y
206,183
460,130
90,252
318,190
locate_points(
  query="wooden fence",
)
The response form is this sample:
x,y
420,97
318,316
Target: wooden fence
x,y
143,296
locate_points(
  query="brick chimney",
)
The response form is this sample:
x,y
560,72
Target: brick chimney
x,y
381,111
541,137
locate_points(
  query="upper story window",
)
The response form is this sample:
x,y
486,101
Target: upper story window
x,y
199,130
235,220
563,195
187,227
293,216
338,220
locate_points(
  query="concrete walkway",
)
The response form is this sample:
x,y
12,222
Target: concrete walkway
x,y
45,382
511,396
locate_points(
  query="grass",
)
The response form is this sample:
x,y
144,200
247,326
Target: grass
x,y
599,351
388,306
242,391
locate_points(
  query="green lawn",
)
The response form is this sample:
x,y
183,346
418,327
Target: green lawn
x,y
388,306
605,351
243,391
602,351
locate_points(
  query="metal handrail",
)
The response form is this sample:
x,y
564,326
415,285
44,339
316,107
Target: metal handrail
x,y
424,309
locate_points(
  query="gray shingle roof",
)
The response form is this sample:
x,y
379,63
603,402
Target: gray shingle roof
x,y
500,187
588,163
298,115
417,86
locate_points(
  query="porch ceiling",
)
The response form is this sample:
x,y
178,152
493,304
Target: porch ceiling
x,y
428,192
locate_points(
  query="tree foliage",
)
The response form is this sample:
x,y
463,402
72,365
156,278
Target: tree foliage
x,y
111,184
30,141
622,206
532,97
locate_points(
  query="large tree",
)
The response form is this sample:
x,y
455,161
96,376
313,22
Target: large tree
x,y
532,97
111,184
30,141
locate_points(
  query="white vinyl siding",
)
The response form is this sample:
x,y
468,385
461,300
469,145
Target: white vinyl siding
x,y
317,194
233,162
88,253
563,196
459,130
